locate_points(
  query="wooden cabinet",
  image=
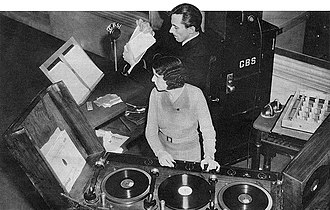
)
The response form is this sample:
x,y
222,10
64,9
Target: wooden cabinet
x,y
55,145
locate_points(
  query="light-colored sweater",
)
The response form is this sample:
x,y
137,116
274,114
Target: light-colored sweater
x,y
179,120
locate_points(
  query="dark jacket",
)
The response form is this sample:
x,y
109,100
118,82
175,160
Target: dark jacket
x,y
195,55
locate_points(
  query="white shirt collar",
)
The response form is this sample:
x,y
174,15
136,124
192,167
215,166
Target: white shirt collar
x,y
184,42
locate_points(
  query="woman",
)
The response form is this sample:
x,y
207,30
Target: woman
x,y
177,111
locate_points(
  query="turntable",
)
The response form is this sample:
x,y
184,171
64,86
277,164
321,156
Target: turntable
x,y
244,195
184,191
125,188
126,185
128,182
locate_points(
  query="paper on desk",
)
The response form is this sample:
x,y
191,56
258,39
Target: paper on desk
x,y
111,141
140,42
64,158
108,100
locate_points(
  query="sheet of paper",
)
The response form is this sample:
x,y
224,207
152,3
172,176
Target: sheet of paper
x,y
64,158
140,42
111,141
83,65
108,100
62,72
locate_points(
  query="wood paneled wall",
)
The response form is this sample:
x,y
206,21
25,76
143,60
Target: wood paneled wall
x,y
88,28
290,74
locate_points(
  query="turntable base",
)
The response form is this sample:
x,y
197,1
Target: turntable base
x,y
244,195
184,191
126,185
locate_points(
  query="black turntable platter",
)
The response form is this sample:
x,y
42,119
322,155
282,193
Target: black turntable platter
x,y
244,195
126,185
184,191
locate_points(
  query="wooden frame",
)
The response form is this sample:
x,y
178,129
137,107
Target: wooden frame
x,y
29,139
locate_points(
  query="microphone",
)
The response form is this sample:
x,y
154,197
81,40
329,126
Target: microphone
x,y
114,33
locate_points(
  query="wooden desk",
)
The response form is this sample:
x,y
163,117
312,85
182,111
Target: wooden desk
x,y
113,118
272,138
101,115
114,83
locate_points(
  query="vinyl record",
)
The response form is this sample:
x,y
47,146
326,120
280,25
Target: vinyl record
x,y
126,185
244,195
315,183
184,191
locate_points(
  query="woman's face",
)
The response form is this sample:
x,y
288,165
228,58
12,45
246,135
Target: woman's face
x,y
159,81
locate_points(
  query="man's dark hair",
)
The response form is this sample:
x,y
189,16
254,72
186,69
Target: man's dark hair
x,y
191,15
172,68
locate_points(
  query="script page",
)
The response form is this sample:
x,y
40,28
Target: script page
x,y
83,66
140,42
61,72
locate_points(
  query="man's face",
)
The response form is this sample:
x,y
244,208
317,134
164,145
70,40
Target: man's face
x,y
179,31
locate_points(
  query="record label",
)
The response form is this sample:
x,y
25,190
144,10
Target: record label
x,y
185,190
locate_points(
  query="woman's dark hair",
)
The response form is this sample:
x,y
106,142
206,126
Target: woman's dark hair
x,y
191,15
172,69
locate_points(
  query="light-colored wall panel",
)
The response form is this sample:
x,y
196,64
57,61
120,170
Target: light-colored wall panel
x,y
290,75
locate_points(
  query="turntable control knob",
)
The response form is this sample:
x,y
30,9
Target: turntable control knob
x,y
90,196
231,172
148,162
213,178
189,166
262,176
154,171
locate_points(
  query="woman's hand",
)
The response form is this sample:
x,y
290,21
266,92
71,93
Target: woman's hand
x,y
211,164
165,159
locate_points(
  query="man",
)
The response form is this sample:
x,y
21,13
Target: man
x,y
193,48
195,53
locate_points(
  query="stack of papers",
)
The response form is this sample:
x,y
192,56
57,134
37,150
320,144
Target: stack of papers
x,y
111,141
108,100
